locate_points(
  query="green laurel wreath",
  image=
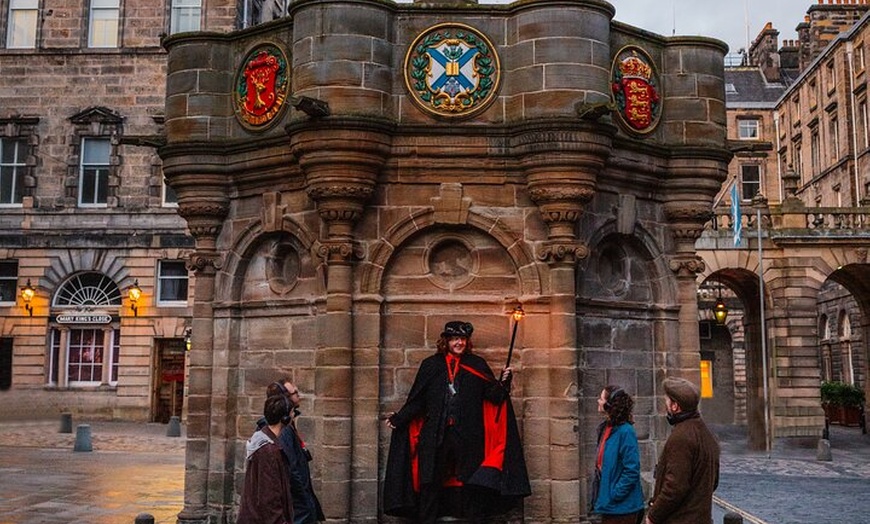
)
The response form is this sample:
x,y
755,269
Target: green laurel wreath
x,y
484,61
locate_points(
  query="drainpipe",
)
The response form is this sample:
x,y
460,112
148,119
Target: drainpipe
x,y
778,145
854,125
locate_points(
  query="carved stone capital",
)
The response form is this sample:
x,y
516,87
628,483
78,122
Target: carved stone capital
x,y
861,255
686,222
541,194
340,251
204,261
686,266
204,220
554,252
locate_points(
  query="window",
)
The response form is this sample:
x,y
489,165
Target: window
x,y
261,11
815,151
88,290
859,59
813,94
94,172
834,133
104,21
12,166
748,129
750,175
21,31
8,281
862,117
85,356
796,163
185,16
706,379
170,199
831,76
172,282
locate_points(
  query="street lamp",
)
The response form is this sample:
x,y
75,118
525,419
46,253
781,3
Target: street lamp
x,y
134,293
27,294
720,312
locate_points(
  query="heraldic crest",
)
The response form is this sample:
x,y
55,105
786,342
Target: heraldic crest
x,y
261,87
452,70
635,90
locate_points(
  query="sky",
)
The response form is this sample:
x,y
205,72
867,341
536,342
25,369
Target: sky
x,y
726,20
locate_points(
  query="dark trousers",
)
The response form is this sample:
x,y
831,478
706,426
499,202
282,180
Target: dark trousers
x,y
433,495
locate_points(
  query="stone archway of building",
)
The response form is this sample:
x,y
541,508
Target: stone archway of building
x,y
745,286
855,278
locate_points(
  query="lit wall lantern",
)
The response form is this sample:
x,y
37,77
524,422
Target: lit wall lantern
x,y
187,333
134,293
720,312
27,294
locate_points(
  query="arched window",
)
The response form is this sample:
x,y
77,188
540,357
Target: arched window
x,y
88,290
845,334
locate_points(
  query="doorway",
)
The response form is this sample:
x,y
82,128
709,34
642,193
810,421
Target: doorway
x,y
168,392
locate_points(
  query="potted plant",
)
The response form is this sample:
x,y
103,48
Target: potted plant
x,y
843,403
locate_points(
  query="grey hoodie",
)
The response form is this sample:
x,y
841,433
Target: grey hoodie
x,y
257,441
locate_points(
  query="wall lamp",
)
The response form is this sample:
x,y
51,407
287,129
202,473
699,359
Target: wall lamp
x,y
187,332
27,293
720,312
133,294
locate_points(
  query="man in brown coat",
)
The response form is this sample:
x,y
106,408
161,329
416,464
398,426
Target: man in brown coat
x,y
688,470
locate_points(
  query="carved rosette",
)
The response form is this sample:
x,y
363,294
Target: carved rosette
x,y
687,266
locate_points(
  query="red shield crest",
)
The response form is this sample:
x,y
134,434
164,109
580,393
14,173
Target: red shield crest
x,y
634,90
262,86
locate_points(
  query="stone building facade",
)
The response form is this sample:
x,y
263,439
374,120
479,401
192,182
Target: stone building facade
x,y
84,215
340,223
798,130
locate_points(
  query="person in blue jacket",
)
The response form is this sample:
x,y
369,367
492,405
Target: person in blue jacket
x,y
619,497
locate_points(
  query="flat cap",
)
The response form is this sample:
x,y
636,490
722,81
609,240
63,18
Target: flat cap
x,y
683,392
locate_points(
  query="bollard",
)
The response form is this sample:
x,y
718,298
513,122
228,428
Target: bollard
x,y
823,451
144,518
174,429
83,438
66,422
732,518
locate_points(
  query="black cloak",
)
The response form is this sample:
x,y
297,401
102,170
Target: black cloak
x,y
491,467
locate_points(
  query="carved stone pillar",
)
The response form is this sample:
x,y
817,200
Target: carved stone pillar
x,y
200,183
561,166
694,178
341,160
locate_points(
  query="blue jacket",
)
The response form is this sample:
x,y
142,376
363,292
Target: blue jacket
x,y
620,491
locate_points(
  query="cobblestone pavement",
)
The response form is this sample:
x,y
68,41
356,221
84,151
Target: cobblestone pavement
x,y
135,468
791,486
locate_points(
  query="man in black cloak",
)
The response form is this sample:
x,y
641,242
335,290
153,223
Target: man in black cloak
x,y
455,449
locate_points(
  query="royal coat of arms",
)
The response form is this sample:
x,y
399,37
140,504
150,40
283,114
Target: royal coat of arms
x,y
262,86
452,70
635,91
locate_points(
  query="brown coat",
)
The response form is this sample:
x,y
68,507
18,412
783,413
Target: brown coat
x,y
686,475
266,497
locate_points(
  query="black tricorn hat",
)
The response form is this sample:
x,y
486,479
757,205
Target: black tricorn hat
x,y
457,328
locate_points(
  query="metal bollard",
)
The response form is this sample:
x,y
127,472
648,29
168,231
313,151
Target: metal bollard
x,y
144,518
732,518
83,438
66,422
174,429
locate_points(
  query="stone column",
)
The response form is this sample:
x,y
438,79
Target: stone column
x,y
561,177
341,161
199,182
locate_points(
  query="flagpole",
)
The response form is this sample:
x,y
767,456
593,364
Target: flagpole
x,y
763,322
